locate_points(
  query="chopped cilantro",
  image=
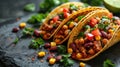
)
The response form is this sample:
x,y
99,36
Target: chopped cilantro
x,y
73,7
36,43
16,40
28,31
80,17
29,7
81,34
37,18
66,61
48,5
61,49
108,63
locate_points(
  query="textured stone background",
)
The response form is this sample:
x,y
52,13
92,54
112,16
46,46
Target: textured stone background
x,y
20,55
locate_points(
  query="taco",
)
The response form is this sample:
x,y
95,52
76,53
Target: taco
x,y
93,36
66,27
57,16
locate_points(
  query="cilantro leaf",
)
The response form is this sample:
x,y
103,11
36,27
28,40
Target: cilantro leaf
x,y
28,31
37,18
48,5
29,7
16,41
93,2
108,63
80,17
73,7
81,34
61,49
36,43
66,61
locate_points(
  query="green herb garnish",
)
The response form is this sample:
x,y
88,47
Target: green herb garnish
x,y
16,40
36,43
68,23
29,7
61,49
81,34
101,26
80,17
108,63
28,31
38,18
87,27
93,2
66,61
73,7
48,5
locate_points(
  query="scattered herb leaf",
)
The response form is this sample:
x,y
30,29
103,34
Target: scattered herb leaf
x,y
108,63
36,43
28,31
29,7
66,61
16,40
93,2
61,49
38,18
48,5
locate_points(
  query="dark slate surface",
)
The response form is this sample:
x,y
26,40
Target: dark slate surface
x,y
20,55
10,9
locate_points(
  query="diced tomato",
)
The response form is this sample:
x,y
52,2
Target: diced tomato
x,y
110,15
65,10
118,22
96,32
93,22
56,18
66,14
89,36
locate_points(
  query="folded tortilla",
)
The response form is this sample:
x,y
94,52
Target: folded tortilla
x,y
81,50
59,38
55,12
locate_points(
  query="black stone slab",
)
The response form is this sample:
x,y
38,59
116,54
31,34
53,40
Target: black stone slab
x,y
20,55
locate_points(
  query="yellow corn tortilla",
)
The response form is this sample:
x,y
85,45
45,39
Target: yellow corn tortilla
x,y
98,13
83,11
57,10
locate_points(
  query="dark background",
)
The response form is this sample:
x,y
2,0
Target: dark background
x,y
10,9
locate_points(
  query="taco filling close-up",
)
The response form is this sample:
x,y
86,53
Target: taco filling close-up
x,y
63,34
93,37
56,17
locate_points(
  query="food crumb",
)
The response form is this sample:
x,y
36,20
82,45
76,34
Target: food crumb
x,y
41,61
33,58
